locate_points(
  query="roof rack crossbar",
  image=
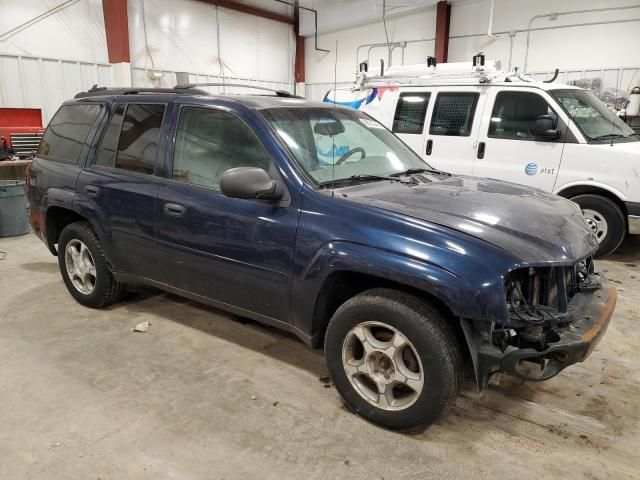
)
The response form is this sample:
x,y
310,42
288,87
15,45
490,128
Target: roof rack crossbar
x,y
100,91
279,93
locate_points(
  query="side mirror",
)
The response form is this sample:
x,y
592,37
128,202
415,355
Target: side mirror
x,y
545,127
250,183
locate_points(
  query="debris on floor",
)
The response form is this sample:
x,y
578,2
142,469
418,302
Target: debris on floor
x,y
141,327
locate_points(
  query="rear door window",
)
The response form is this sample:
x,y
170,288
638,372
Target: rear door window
x,y
130,141
410,112
453,114
67,132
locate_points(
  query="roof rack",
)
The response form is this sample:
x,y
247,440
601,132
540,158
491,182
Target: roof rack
x,y
100,91
430,74
279,93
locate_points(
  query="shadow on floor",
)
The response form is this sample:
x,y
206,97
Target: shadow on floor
x,y
275,343
40,267
628,252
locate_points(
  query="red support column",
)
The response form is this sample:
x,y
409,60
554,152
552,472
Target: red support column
x,y
443,15
299,62
116,25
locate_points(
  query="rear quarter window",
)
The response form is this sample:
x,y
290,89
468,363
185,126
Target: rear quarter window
x,y
67,132
410,112
453,114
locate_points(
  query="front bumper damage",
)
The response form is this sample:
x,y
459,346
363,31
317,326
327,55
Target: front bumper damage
x,y
589,314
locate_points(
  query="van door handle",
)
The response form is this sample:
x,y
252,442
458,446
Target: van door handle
x,y
174,209
481,146
92,190
429,147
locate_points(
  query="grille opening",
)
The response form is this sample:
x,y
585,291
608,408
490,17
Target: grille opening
x,y
536,295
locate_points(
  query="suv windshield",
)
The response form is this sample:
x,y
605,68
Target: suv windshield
x,y
591,115
334,145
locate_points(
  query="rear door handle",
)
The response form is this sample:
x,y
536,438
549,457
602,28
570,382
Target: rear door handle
x,y
174,209
92,190
429,147
481,146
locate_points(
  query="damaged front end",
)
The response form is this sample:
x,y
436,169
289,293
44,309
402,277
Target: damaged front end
x,y
556,317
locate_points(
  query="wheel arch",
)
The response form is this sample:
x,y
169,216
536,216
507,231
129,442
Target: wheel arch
x,y
56,218
571,191
341,285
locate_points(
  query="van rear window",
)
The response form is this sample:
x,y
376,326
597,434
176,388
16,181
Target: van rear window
x,y
67,132
410,112
453,114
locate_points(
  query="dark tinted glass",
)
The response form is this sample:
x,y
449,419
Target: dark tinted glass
x,y
136,145
67,132
210,142
514,115
453,114
410,113
109,143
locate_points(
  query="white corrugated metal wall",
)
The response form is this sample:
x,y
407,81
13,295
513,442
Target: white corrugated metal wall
x,y
45,83
140,77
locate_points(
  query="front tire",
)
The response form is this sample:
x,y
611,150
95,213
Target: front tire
x,y
605,219
394,359
84,267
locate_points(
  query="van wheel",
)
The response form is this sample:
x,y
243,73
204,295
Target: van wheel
x,y
605,219
84,267
394,359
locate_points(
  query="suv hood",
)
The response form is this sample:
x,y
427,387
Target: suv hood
x,y
535,226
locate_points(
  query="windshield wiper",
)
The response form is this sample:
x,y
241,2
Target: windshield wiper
x,y
610,135
356,178
413,171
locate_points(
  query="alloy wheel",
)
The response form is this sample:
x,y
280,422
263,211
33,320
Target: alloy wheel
x,y
382,365
80,266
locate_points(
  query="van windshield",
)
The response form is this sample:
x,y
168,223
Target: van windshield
x,y
336,145
592,117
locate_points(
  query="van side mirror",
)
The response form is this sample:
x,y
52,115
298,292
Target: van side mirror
x,y
545,128
250,183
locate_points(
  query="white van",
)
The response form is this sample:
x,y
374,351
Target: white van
x,y
481,121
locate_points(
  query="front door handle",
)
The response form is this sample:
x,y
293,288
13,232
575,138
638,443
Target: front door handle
x,y
92,190
429,147
174,209
481,146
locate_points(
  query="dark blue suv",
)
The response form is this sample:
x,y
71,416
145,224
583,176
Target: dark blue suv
x,y
318,220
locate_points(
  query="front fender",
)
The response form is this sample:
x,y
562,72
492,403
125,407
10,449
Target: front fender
x,y
590,183
460,297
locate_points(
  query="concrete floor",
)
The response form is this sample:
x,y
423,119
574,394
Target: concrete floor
x,y
204,395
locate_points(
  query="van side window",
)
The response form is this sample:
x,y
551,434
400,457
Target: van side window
x,y
67,132
514,115
410,112
130,141
209,142
453,114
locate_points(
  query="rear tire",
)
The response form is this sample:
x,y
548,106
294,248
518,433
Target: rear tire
x,y
605,219
407,387
84,267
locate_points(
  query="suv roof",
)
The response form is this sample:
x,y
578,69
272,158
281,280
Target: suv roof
x,y
257,101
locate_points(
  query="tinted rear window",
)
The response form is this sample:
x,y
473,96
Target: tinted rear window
x,y
67,132
130,142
